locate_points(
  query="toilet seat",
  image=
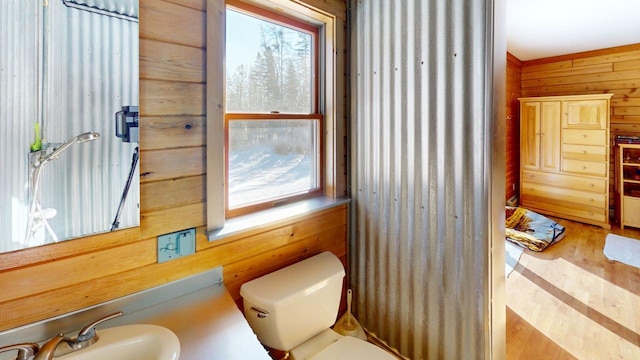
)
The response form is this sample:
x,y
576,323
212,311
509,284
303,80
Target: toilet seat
x,y
350,348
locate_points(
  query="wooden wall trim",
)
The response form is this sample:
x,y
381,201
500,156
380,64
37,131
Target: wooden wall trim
x,y
581,55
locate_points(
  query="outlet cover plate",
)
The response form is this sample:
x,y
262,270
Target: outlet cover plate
x,y
177,244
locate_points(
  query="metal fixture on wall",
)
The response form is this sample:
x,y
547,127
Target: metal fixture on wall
x,y
37,216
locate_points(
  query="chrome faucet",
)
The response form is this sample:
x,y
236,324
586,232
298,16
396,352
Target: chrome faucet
x,y
86,337
26,351
48,350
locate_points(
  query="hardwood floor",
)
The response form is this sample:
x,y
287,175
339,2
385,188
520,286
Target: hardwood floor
x,y
571,302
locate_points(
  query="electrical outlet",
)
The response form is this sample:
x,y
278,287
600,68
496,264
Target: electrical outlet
x,y
177,244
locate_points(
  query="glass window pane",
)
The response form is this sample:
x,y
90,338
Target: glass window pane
x,y
268,67
271,159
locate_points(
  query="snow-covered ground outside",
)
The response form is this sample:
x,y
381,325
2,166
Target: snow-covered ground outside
x,y
259,173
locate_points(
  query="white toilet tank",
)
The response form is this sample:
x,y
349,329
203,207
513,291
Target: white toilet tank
x,y
291,305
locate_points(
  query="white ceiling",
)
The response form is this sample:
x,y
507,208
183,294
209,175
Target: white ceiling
x,y
543,28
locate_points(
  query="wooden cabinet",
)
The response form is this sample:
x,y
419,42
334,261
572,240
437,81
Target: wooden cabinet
x,y
540,135
628,184
564,157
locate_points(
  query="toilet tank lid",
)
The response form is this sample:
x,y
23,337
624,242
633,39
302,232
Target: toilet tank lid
x,y
305,276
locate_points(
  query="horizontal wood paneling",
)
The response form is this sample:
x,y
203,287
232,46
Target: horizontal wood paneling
x,y
55,279
164,194
615,71
172,22
171,98
172,163
166,61
172,132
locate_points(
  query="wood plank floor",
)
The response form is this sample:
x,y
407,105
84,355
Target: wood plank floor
x,y
571,302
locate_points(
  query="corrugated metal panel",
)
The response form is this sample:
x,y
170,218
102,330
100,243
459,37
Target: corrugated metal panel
x,y
19,94
120,7
89,71
92,71
421,168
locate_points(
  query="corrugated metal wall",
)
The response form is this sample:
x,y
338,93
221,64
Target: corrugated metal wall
x,y
423,149
19,94
90,70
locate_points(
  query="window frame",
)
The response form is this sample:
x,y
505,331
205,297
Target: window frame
x,y
334,99
314,115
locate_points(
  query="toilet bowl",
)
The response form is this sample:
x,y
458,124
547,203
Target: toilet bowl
x,y
293,309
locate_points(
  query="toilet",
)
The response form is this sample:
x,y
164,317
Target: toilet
x,y
293,309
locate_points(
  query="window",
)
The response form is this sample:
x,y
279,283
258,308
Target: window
x,y
273,126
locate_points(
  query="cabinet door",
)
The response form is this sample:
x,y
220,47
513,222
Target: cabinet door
x,y
550,135
585,114
530,135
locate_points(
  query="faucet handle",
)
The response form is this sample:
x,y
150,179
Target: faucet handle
x,y
89,332
26,351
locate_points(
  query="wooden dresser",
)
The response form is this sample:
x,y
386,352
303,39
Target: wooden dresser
x,y
564,157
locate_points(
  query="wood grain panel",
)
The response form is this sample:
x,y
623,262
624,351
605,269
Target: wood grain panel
x,y
68,271
172,132
173,192
166,61
313,224
194,4
171,98
56,279
172,163
172,23
537,66
53,252
570,79
568,71
172,219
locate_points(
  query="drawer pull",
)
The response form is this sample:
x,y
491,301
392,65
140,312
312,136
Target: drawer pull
x,y
592,185
584,151
584,168
584,136
591,200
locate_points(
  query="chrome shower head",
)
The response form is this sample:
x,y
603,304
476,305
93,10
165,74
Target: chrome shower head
x,y
88,136
84,137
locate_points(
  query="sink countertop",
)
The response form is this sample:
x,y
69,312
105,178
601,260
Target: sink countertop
x,y
207,322
202,314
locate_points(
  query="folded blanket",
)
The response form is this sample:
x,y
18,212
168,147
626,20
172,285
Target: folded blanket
x,y
531,230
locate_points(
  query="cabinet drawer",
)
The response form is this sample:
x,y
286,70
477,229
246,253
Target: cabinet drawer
x,y
584,167
563,195
631,211
559,208
566,181
584,153
584,137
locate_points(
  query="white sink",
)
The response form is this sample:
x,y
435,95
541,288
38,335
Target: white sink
x,y
131,342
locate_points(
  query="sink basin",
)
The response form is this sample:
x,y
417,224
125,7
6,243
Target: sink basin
x,y
131,342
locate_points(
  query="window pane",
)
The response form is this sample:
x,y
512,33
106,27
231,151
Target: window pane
x,y
271,159
268,67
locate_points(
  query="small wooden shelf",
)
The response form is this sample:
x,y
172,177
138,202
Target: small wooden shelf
x,y
628,182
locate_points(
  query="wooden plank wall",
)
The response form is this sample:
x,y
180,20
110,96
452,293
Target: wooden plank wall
x,y
514,71
614,70
51,280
